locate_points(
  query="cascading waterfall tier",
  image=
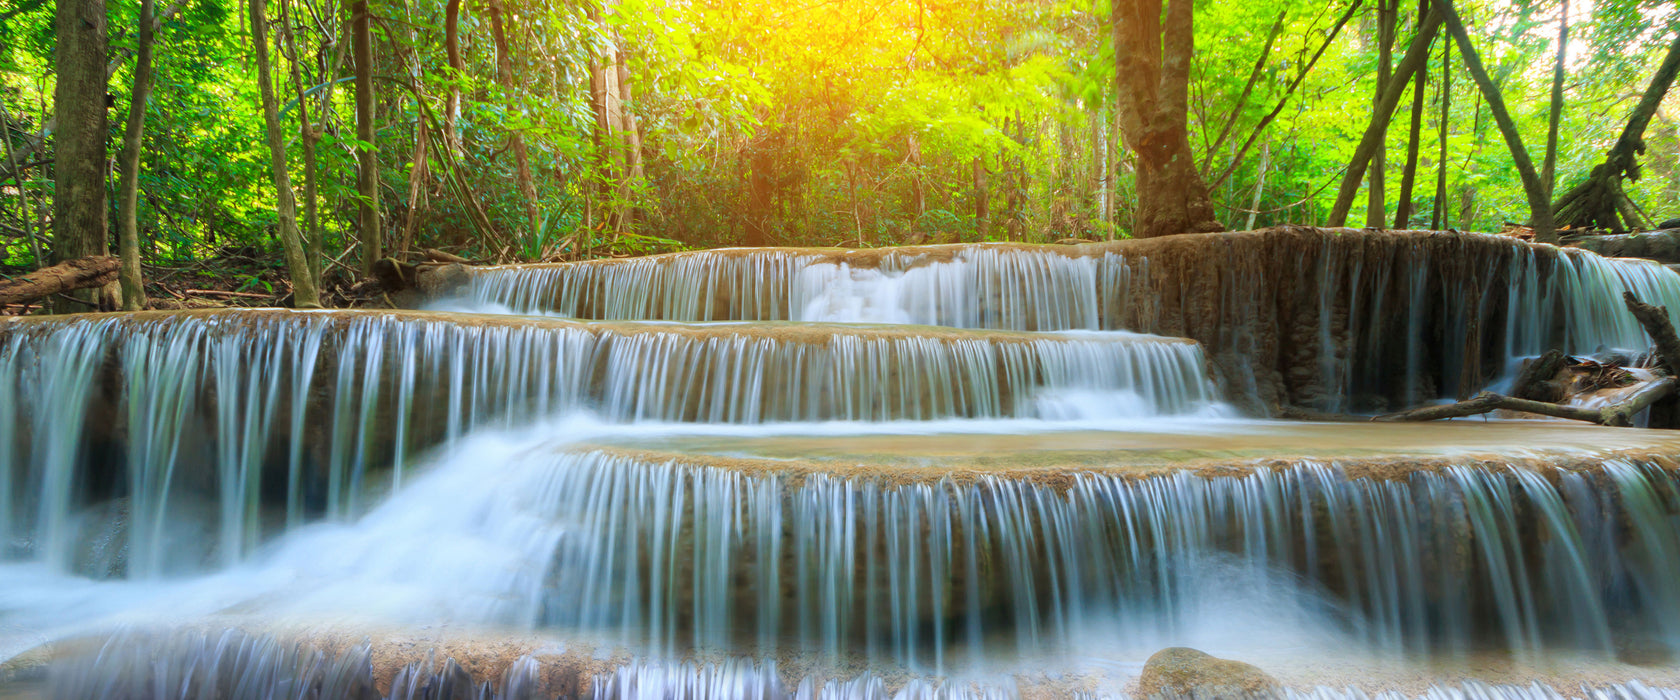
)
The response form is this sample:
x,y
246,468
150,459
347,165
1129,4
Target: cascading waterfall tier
x,y
237,663
261,420
961,550
1312,318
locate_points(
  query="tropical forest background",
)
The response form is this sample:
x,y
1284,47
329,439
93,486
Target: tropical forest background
x,y
518,130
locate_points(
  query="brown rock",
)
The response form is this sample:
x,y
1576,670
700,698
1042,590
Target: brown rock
x,y
1181,672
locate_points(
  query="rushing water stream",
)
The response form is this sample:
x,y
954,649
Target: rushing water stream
x,y
749,493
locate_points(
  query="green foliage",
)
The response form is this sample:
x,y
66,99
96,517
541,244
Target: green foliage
x,y
844,122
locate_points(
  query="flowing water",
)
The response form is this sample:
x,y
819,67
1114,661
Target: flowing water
x,y
941,472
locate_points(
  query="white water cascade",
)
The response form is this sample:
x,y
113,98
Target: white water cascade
x,y
944,472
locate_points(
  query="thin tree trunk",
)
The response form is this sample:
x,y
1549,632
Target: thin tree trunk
x,y
1260,184
599,89
918,196
367,155
128,187
1599,200
1242,99
304,292
632,141
982,198
1375,132
1236,159
1539,204
416,175
1376,210
1414,139
79,107
307,138
452,47
1548,171
522,160
36,233
1437,219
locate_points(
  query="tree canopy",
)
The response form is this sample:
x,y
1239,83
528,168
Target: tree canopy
x,y
517,130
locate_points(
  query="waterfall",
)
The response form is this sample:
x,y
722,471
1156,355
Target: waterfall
x,y
968,471
1455,311
315,406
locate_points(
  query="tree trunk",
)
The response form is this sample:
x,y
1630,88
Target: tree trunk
x,y
522,160
1375,132
918,196
1548,171
1260,184
1438,218
367,154
128,187
416,175
982,198
35,233
1376,210
1236,160
452,48
1414,138
1599,201
308,135
304,292
1152,54
1539,204
79,107
632,141
600,87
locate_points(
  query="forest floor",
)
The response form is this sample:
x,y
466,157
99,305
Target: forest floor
x,y
231,280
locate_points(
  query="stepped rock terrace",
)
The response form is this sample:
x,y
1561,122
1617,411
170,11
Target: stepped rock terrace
x,y
955,471
1325,319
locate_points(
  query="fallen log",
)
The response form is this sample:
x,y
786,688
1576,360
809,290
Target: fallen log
x,y
220,293
439,256
1618,414
70,275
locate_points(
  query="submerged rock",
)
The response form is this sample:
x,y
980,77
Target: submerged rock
x,y
1179,672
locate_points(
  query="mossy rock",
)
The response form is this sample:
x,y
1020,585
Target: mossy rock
x,y
1181,672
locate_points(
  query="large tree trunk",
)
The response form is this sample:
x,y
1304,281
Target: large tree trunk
x,y
1153,83
33,145
1599,201
1548,171
367,131
304,292
128,186
1414,136
79,108
1539,204
1376,210
1376,131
